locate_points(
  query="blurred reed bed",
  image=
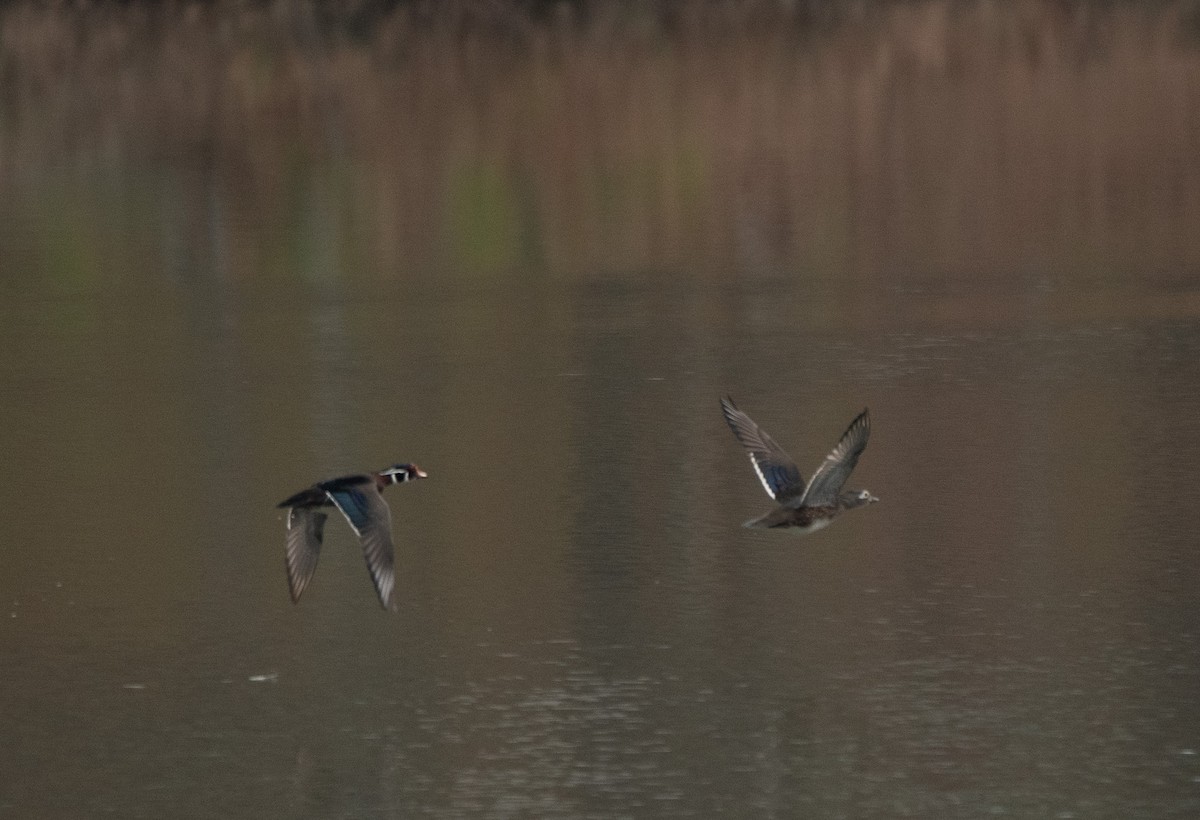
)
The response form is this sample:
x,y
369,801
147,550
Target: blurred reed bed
x,y
923,141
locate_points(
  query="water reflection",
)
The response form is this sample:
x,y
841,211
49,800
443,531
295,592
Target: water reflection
x,y
918,142
612,641
536,282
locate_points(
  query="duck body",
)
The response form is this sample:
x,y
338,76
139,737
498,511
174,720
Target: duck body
x,y
359,498
321,493
803,507
802,521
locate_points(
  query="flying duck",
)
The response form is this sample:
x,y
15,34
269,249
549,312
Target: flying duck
x,y
803,508
359,498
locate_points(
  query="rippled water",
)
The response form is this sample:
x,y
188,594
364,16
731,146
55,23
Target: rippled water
x,y
584,629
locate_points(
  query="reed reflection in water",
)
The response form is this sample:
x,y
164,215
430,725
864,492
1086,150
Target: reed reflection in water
x,y
242,248
929,141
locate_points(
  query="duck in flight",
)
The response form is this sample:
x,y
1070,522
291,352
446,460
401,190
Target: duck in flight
x,y
802,507
360,499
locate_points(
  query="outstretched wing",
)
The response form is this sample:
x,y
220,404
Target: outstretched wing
x,y
778,473
371,519
836,468
305,528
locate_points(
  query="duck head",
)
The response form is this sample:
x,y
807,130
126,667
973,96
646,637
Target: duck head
x,y
856,498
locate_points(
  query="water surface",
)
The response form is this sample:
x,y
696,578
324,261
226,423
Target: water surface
x,y
584,630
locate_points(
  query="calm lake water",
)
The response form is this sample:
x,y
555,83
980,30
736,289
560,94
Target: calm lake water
x,y
584,629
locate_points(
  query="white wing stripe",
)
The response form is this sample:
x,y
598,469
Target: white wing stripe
x,y
758,471
345,515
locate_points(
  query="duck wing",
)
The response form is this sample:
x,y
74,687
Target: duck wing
x,y
827,481
778,473
371,521
305,529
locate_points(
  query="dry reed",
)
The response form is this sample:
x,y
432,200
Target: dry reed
x,y
933,139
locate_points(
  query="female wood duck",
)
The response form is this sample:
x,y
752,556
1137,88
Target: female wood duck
x,y
359,498
802,508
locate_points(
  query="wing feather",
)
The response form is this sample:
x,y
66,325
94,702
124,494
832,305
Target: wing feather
x,y
371,520
775,469
827,481
305,531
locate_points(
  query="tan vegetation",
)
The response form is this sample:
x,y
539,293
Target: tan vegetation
x,y
932,139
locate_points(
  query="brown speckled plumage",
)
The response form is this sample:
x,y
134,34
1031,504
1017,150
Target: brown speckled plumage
x,y
803,507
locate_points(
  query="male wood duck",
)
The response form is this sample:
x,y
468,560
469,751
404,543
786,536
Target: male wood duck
x,y
359,498
804,508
